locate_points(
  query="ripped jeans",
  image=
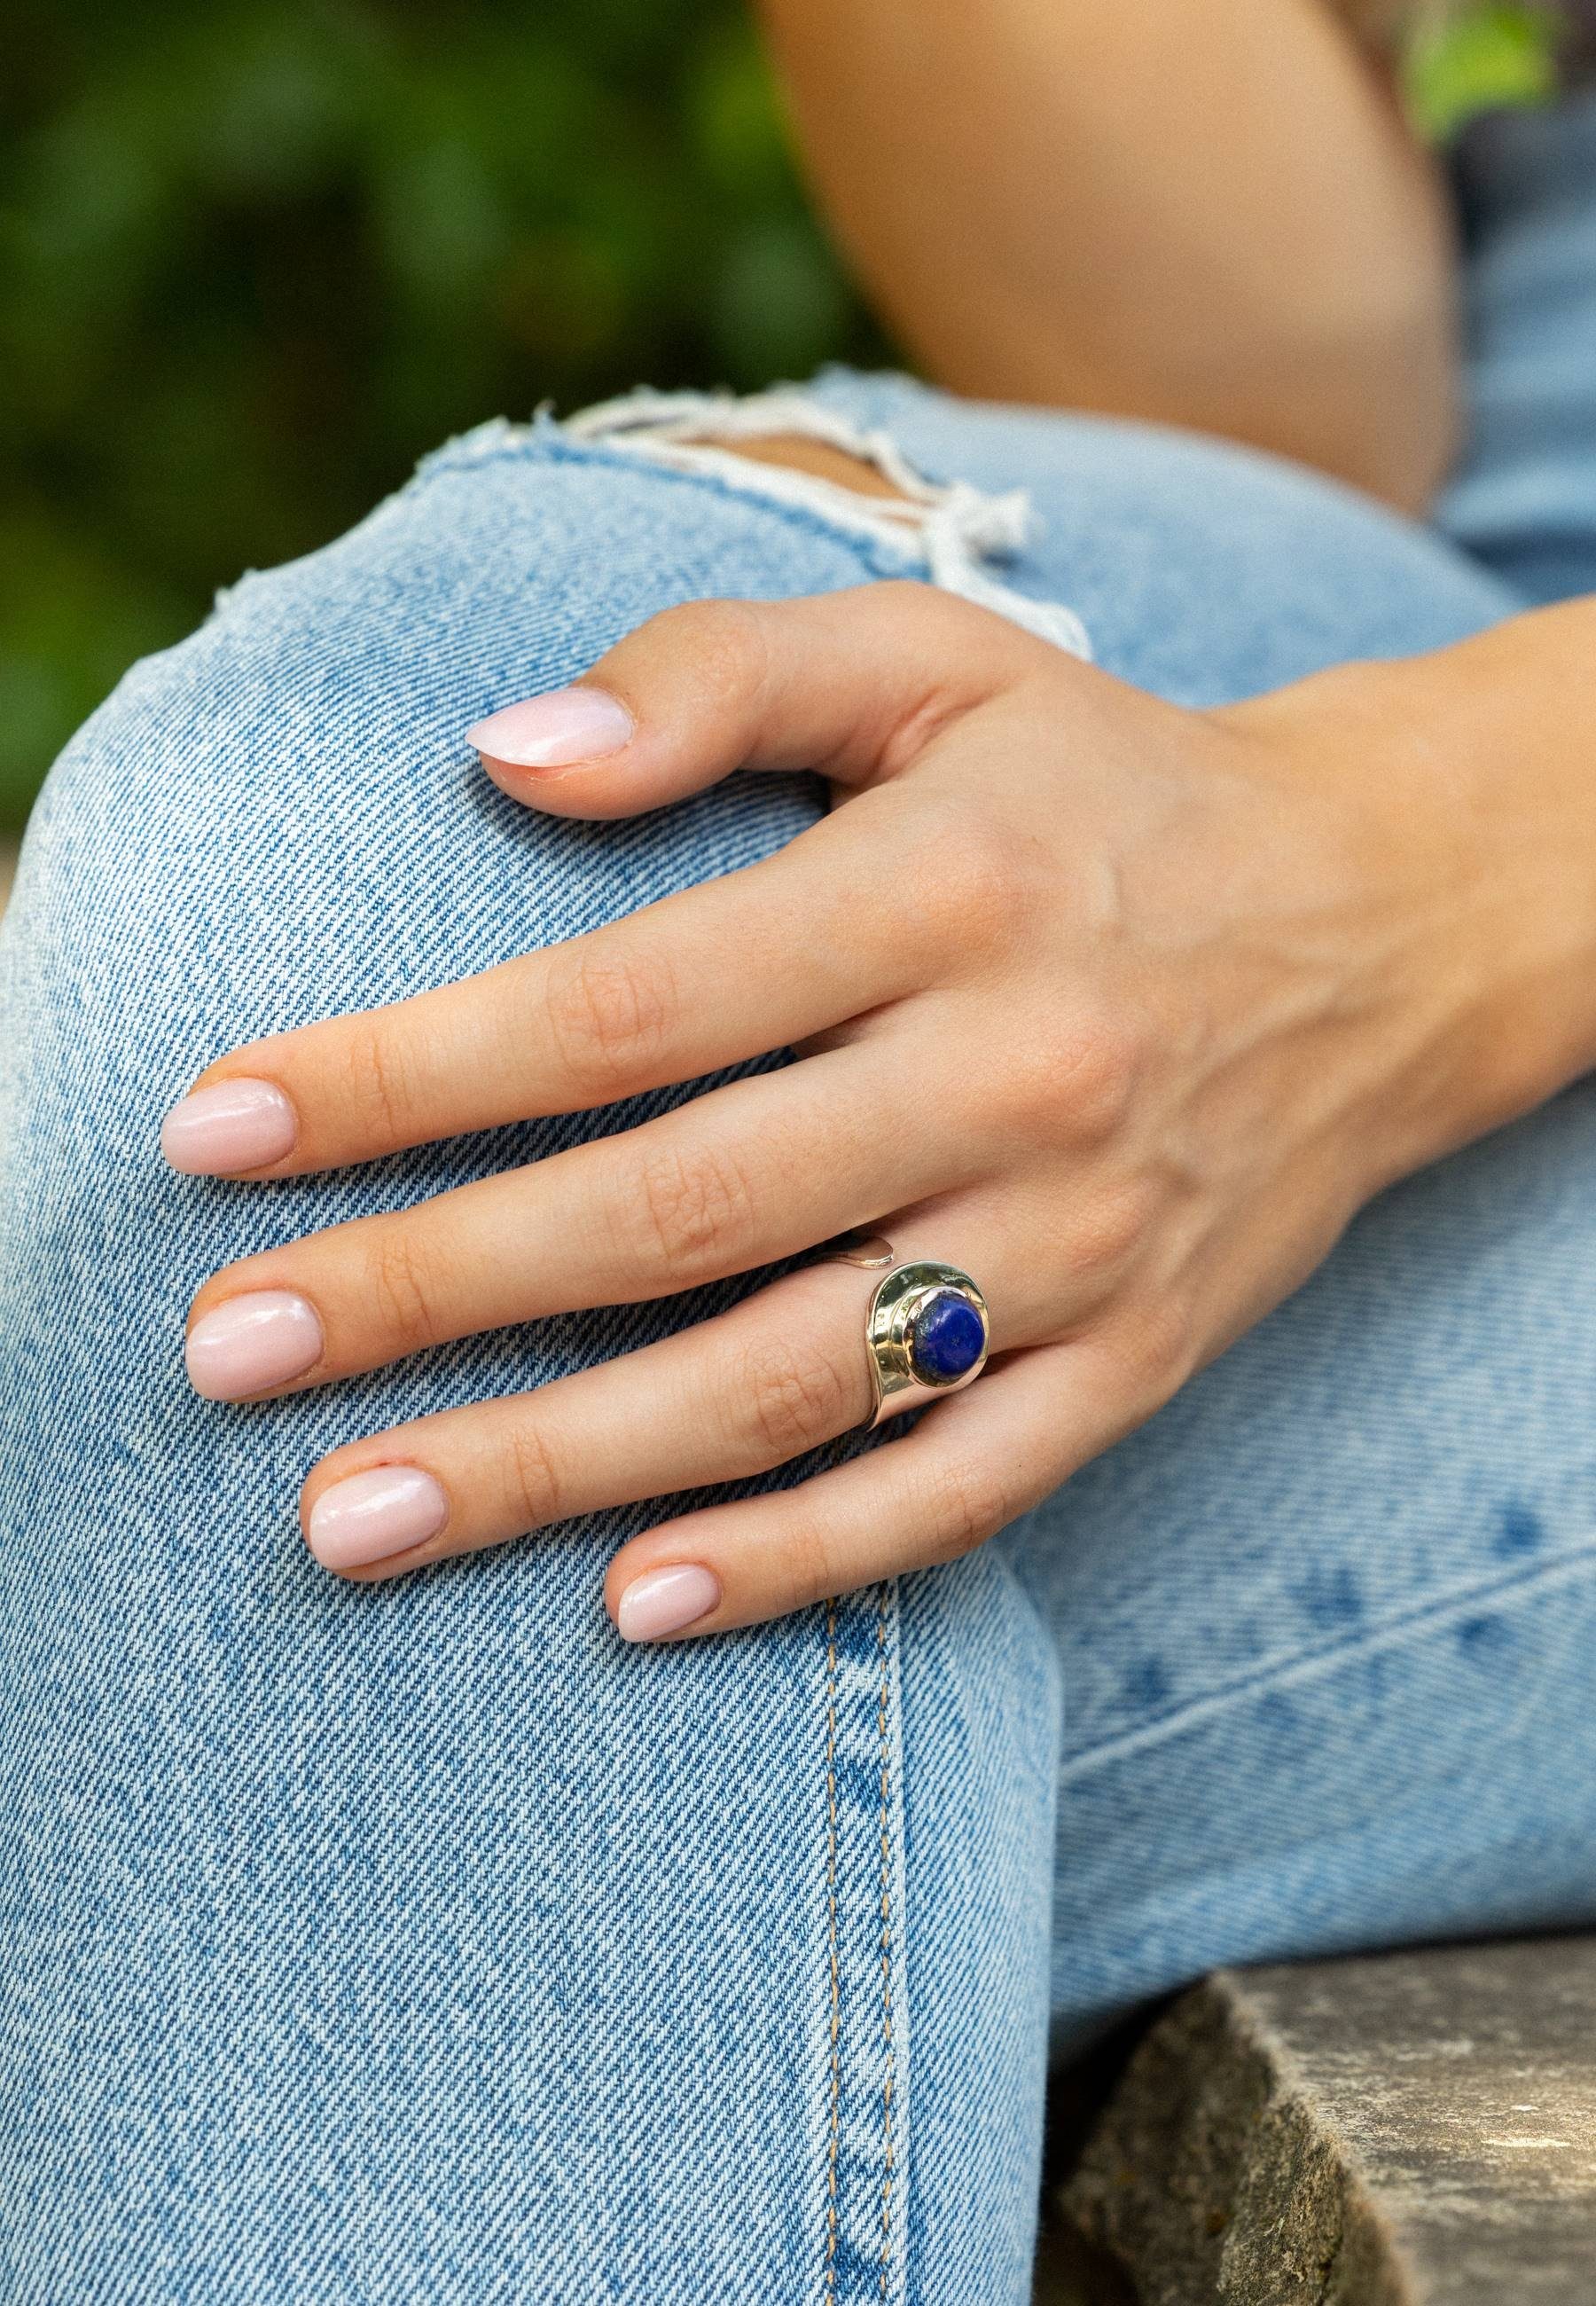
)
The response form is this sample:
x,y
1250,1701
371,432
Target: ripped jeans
x,y
419,1943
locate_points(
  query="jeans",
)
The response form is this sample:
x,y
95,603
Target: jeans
x,y
419,1943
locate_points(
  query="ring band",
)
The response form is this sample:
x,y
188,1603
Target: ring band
x,y
927,1331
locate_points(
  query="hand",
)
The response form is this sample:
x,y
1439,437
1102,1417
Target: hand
x,y
1122,1008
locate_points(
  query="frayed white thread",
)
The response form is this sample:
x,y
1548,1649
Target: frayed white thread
x,y
947,530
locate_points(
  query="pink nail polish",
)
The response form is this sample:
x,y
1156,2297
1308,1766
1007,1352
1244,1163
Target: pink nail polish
x,y
555,731
663,1601
260,1339
370,1515
233,1126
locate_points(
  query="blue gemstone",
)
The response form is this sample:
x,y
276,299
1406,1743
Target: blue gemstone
x,y
946,1339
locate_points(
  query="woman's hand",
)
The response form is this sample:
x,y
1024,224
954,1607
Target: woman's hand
x,y
1122,1008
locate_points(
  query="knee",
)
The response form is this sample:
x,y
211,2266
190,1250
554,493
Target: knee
x,y
280,819
281,816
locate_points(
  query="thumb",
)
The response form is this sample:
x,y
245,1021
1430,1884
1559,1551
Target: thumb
x,y
850,684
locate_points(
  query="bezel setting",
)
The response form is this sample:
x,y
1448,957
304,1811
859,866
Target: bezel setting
x,y
900,1297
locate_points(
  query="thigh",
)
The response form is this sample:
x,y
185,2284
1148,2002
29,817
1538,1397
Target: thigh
x,y
1326,1624
421,1941
415,1940
1322,1626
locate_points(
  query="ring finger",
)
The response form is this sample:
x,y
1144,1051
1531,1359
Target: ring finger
x,y
734,1397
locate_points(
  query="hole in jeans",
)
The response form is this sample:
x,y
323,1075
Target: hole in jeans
x,y
859,480
819,458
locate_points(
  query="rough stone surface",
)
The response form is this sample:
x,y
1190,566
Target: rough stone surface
x,y
1414,2129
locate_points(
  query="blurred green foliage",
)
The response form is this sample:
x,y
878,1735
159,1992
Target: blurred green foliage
x,y
255,258
1499,51
256,255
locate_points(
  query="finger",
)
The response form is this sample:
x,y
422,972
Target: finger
x,y
774,954
734,1397
969,1466
850,684
750,1389
759,1170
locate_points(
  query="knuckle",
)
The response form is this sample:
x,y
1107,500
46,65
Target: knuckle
x,y
1104,1237
534,1479
1074,1083
792,1399
1155,1348
1100,1065
401,1288
975,877
380,1080
724,641
969,1504
610,1017
691,1211
810,1564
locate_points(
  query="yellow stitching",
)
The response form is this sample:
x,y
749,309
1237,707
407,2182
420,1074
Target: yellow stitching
x,y
890,2075
831,1802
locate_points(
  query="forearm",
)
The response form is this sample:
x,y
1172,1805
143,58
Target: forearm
x,y
1476,776
1204,217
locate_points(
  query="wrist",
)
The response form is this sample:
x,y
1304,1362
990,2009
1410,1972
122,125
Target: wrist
x,y
1469,822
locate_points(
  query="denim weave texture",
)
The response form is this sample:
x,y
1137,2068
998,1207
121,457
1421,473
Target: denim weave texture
x,y
418,1942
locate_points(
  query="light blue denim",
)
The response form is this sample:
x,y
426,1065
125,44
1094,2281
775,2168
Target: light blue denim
x,y
419,1942
1525,502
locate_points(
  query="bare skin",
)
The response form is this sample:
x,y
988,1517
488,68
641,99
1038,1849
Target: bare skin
x,y
1203,215
1200,985
819,459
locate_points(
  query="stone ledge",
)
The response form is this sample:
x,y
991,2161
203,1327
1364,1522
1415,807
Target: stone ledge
x,y
1414,2129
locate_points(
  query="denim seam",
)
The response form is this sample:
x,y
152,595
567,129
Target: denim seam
x,y
889,2075
862,2132
836,1981
531,446
1457,1602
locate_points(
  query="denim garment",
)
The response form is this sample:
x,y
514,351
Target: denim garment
x,y
418,1942
1525,501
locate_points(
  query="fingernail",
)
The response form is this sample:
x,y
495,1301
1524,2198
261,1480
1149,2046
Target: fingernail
x,y
251,1342
373,1515
236,1124
555,731
663,1601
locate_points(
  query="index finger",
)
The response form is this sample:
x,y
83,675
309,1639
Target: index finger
x,y
705,978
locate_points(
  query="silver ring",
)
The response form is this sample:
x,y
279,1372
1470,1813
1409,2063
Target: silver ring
x,y
921,1340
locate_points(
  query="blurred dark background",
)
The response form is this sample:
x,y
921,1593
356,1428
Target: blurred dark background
x,y
256,256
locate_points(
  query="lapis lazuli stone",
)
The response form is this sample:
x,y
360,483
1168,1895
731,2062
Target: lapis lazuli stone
x,y
945,1338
